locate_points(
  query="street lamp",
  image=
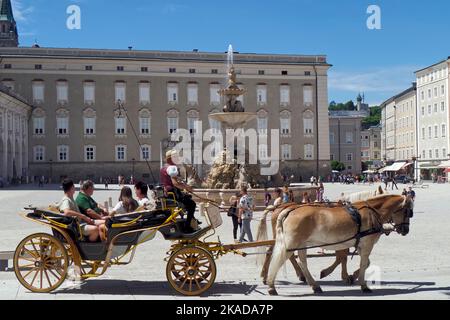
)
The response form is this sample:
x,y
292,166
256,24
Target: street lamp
x,y
51,171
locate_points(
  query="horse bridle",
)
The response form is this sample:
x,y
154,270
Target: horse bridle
x,y
408,213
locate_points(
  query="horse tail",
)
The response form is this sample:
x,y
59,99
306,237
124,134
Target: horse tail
x,y
279,255
262,228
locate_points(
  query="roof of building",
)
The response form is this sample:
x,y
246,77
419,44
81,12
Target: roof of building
x,y
391,99
347,114
445,60
113,54
6,13
6,90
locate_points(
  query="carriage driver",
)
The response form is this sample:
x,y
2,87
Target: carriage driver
x,y
169,179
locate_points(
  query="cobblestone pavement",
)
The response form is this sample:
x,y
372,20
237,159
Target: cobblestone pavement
x,y
412,267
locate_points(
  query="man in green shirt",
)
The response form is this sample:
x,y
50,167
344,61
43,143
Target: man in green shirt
x,y
87,205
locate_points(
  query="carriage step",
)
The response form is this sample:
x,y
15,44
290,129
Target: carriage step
x,y
5,256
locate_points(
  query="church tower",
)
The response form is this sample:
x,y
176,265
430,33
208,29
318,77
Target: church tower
x,y
8,28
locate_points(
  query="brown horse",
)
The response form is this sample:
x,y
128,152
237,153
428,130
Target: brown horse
x,y
341,255
311,226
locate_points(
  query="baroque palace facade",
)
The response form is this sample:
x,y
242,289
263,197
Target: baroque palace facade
x,y
77,128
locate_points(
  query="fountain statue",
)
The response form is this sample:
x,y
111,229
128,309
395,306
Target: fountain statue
x,y
223,174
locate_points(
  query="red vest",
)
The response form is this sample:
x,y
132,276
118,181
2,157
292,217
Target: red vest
x,y
165,179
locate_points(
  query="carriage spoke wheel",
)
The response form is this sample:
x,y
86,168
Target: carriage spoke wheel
x,y
41,263
191,271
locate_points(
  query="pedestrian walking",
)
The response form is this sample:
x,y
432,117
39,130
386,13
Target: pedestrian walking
x,y
233,213
246,207
394,183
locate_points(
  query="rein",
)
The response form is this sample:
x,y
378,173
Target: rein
x,y
358,236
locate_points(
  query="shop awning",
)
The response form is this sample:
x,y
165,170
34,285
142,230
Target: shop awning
x,y
396,166
445,164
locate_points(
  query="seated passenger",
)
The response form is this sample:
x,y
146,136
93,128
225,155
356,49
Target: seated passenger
x,y
87,205
126,203
141,189
69,208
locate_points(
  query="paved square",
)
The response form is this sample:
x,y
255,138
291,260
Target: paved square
x,y
412,267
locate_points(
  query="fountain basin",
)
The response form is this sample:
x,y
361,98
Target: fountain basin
x,y
223,195
233,120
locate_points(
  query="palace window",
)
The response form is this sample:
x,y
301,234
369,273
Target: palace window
x,y
215,126
285,123
145,153
62,125
261,94
89,92
121,153
144,93
38,91
121,125
192,91
39,153
307,95
349,137
309,151
89,119
89,153
120,91
172,92
145,122
63,153
193,120
285,93
349,156
38,125
214,94
308,122
263,122
286,152
172,121
62,91
444,130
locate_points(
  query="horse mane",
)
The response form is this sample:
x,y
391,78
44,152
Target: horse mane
x,y
382,196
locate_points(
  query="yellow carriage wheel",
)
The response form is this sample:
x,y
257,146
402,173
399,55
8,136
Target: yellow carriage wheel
x,y
191,271
41,263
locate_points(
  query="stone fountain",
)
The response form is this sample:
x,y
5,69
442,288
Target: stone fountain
x,y
226,174
226,177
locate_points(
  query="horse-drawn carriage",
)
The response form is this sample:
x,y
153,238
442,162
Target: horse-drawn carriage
x,y
42,261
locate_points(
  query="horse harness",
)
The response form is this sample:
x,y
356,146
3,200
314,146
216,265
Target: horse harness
x,y
355,215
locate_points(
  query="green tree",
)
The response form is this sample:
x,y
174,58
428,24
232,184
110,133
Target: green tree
x,y
337,166
374,119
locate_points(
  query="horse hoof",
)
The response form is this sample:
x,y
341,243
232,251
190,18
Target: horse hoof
x,y
273,292
303,279
322,275
366,290
350,280
317,290
264,282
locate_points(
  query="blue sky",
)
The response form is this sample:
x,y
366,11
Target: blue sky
x,y
380,63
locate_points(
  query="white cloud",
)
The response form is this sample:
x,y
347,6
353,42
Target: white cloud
x,y
375,80
21,11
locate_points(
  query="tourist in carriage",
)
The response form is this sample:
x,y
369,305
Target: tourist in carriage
x,y
169,179
69,208
143,198
126,203
88,206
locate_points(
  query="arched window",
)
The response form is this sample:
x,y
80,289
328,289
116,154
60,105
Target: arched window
x,y
308,122
145,122
120,123
285,123
62,122
172,121
193,117
89,120
38,117
263,122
